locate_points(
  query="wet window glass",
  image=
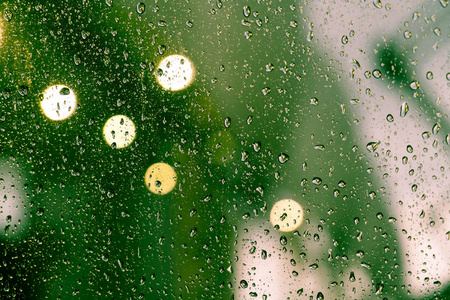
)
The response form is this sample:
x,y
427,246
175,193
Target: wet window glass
x,y
224,149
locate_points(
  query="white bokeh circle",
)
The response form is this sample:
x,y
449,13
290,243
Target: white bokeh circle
x,y
119,131
160,178
59,102
175,72
287,214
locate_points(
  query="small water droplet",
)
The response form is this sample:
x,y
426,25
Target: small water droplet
x,y
317,181
266,90
372,146
376,73
243,284
344,39
256,146
414,85
436,128
407,34
7,14
390,118
352,277
227,122
314,101
404,108
283,158
140,8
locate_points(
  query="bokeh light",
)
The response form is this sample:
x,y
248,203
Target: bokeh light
x,y
160,178
59,102
175,72
119,131
287,214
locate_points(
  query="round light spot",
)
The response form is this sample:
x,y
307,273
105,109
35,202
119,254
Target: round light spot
x,y
287,214
160,178
59,102
119,131
175,72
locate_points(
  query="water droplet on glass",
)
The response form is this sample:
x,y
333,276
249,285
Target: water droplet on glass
x,y
7,14
414,85
314,101
429,75
283,158
407,34
314,266
437,31
243,284
372,146
344,39
256,146
140,8
436,128
404,108
376,73
390,118
409,149
227,122
317,181
266,90
426,135
247,11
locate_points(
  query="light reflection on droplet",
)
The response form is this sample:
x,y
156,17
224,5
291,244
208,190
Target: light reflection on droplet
x,y
175,72
286,214
119,131
59,102
160,178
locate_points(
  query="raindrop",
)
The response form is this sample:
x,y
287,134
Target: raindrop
x,y
429,75
283,240
376,74
372,146
409,149
390,118
243,284
414,85
247,11
344,39
426,135
257,146
7,14
140,8
314,266
314,101
227,122
407,34
404,108
317,180
283,158
266,90
436,128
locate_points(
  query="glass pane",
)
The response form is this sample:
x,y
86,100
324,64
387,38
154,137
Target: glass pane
x,y
224,149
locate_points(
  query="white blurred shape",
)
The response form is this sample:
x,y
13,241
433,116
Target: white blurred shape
x,y
287,214
13,203
119,130
175,72
59,102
